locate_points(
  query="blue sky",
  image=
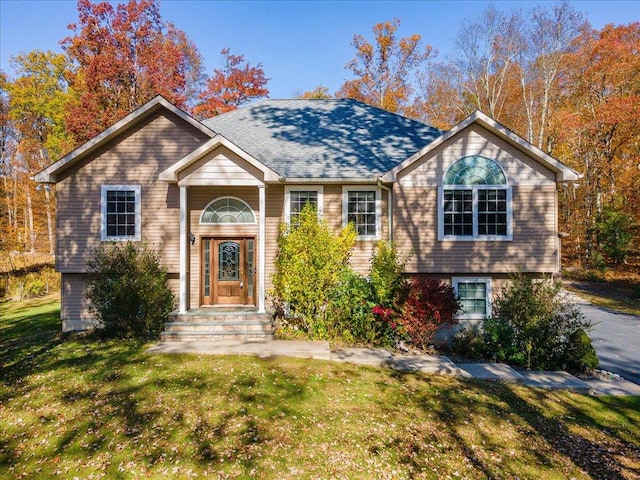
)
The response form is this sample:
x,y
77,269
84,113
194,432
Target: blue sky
x,y
301,44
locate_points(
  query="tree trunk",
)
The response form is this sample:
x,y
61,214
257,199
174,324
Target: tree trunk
x,y
49,221
31,234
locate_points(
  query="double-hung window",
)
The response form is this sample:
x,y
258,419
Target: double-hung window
x,y
474,295
120,217
361,206
297,197
474,201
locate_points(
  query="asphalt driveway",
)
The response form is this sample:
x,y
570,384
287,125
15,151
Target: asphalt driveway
x,y
616,338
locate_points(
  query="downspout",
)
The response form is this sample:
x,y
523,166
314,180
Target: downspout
x,y
389,208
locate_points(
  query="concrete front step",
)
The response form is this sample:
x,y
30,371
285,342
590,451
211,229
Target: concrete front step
x,y
223,336
220,317
218,326
214,326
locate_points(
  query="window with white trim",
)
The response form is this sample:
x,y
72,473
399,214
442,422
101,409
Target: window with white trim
x,y
474,295
474,201
361,206
297,197
120,212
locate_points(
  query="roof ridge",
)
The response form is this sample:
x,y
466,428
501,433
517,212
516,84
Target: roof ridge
x,y
351,100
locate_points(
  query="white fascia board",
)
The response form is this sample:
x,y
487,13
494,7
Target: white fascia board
x,y
48,175
563,173
171,174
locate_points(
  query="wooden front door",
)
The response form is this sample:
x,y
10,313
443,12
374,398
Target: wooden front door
x,y
228,274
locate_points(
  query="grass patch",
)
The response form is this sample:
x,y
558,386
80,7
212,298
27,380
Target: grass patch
x,y
620,294
76,407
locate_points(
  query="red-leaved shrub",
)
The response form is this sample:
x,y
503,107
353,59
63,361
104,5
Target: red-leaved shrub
x,y
429,305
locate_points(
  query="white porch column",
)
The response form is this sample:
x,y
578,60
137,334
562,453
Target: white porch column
x,y
183,250
262,275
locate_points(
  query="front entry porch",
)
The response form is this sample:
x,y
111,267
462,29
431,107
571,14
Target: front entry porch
x,y
230,178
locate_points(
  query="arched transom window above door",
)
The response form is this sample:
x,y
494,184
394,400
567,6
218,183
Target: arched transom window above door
x,y
474,201
227,210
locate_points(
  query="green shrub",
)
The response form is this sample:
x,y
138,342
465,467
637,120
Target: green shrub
x,y
350,313
127,290
385,275
579,353
470,343
598,264
614,233
498,338
310,260
533,324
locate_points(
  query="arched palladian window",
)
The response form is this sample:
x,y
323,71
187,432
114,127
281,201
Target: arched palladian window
x,y
475,170
474,201
227,210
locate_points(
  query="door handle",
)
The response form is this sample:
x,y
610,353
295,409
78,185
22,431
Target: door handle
x,y
241,285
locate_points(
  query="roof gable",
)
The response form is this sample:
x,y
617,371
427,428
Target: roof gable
x,y
323,138
562,172
172,174
50,173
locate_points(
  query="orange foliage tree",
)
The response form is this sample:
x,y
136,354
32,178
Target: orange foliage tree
x,y
597,129
232,86
385,69
320,92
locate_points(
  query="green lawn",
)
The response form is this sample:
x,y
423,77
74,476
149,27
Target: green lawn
x,y
75,407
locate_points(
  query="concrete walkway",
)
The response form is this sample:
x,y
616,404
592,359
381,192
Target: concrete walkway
x,y
428,364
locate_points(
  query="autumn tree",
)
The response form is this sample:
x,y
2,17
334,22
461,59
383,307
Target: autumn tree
x,y
124,55
36,101
320,92
550,34
7,220
385,69
506,64
38,98
231,86
486,52
441,99
597,129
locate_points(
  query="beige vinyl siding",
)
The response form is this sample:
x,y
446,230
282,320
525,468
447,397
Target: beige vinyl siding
x,y
74,308
333,200
534,247
134,158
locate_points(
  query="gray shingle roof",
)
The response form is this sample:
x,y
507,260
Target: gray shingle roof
x,y
336,138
